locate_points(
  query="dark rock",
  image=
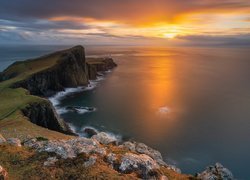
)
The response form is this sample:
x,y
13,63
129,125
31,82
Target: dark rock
x,y
95,66
69,71
44,114
90,131
216,172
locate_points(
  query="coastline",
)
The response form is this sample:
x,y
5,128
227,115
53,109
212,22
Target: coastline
x,y
147,161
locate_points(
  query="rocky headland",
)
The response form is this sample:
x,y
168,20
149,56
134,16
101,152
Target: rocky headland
x,y
35,143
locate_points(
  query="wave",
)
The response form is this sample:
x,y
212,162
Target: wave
x,y
55,100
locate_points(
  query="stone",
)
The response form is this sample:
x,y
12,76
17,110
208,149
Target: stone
x,y
90,131
111,158
50,161
138,163
3,173
91,161
105,138
68,149
129,145
14,142
216,172
156,155
2,139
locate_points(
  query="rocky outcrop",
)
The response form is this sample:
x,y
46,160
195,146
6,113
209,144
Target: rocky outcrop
x,y
143,163
68,149
44,114
105,138
144,149
99,65
69,71
216,172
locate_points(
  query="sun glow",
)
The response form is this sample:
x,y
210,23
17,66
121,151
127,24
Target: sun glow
x,y
169,35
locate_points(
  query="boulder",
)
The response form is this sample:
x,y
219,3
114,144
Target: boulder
x,y
156,155
105,138
3,173
50,161
2,139
216,172
91,161
129,145
90,131
143,164
14,142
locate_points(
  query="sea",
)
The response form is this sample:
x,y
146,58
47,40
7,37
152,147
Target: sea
x,y
190,103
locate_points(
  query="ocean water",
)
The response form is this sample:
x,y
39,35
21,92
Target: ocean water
x,y
191,104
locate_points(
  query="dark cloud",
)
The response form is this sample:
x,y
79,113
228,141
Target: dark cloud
x,y
127,11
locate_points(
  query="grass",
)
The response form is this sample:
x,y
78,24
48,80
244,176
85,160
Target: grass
x,y
12,121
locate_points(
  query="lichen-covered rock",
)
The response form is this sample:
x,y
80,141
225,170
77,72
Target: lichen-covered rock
x,y
68,149
217,172
50,161
105,138
91,161
2,139
138,163
129,145
14,142
3,173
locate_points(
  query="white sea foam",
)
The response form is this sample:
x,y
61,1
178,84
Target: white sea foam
x,y
163,110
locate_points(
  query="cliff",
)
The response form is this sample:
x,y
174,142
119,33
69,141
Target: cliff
x,y
45,76
43,114
95,65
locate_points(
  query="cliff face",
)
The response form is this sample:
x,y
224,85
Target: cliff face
x,y
49,74
44,114
97,65
69,71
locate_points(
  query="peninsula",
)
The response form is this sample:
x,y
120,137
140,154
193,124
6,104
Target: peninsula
x,y
35,143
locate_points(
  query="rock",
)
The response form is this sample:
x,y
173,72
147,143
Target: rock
x,y
14,142
44,114
3,173
90,131
105,138
138,163
129,145
2,139
68,149
50,161
156,155
91,161
215,173
111,158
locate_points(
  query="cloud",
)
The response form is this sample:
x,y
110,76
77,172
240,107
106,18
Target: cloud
x,y
129,11
128,21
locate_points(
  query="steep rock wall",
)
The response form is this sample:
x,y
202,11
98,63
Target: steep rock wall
x,y
44,114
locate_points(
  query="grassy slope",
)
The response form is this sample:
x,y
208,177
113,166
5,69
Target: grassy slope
x,y
12,122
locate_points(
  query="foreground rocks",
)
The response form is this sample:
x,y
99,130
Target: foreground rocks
x,y
127,158
216,172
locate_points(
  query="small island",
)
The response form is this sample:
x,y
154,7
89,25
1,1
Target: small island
x,y
35,143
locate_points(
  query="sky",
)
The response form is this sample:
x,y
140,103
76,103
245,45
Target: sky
x,y
125,22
